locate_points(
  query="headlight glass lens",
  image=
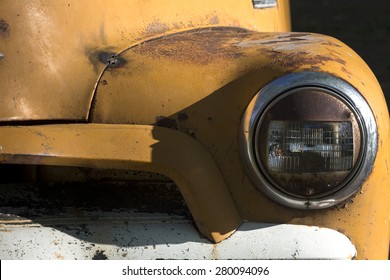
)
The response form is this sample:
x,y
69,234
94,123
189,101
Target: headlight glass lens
x,y
300,155
295,147
309,140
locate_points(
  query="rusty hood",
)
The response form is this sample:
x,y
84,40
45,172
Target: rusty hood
x,y
53,52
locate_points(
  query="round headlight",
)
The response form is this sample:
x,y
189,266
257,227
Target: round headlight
x,y
309,140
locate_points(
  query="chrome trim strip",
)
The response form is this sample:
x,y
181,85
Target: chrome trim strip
x,y
339,88
262,4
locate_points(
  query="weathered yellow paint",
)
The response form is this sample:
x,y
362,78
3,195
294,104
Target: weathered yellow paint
x,y
198,81
205,93
132,147
52,48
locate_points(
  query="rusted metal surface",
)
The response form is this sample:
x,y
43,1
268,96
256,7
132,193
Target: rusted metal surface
x,y
52,77
214,93
110,59
202,95
202,62
205,46
4,28
206,101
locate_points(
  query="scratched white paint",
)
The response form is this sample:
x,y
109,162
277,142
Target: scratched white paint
x,y
146,236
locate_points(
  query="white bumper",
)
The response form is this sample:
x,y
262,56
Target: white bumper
x,y
127,235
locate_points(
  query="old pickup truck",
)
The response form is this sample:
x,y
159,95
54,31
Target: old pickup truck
x,y
186,130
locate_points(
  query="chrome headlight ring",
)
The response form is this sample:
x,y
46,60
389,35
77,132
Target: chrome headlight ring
x,y
350,110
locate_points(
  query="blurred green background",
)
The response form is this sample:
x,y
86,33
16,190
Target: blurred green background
x,y
363,25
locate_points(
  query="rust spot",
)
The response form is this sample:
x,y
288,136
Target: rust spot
x,y
111,59
336,53
214,252
104,82
313,68
178,25
214,20
341,231
345,70
299,59
200,47
338,59
163,121
58,256
106,57
156,27
332,44
4,28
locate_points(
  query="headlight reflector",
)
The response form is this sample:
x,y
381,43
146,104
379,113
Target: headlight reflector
x,y
309,140
303,152
309,146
